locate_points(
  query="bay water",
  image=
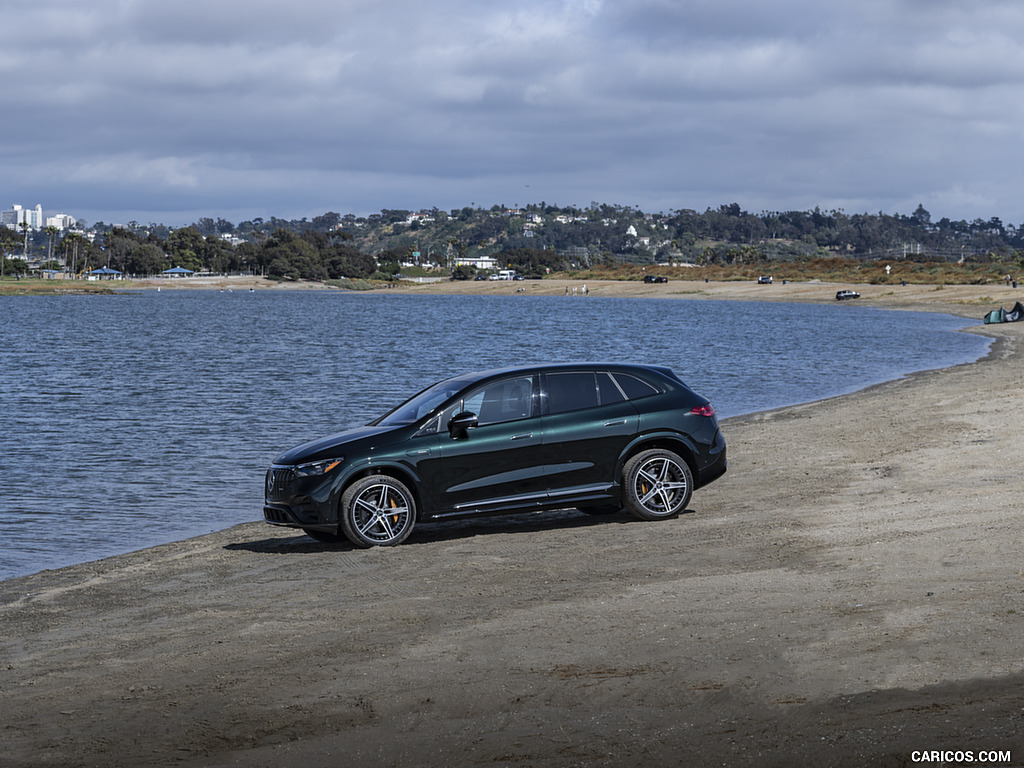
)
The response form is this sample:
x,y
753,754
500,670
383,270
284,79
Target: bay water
x,y
137,419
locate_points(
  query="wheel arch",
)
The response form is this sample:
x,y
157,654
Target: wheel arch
x,y
402,474
667,441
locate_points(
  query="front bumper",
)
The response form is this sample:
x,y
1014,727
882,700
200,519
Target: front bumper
x,y
279,514
293,501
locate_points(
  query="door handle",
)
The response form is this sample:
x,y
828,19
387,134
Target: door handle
x,y
523,436
614,423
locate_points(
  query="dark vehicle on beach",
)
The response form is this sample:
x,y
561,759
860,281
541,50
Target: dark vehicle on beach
x,y
765,280
593,436
841,295
655,279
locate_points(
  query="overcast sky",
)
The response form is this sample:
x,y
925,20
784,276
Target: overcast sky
x,y
160,111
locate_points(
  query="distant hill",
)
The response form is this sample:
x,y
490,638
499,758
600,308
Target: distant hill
x,y
535,238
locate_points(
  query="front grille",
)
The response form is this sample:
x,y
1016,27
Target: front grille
x,y
279,484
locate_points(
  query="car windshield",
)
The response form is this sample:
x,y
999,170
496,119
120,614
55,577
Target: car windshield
x,y
418,406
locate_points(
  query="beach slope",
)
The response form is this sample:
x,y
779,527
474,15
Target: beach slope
x,y
850,593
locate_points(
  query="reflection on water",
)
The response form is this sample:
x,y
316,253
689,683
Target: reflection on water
x,y
139,419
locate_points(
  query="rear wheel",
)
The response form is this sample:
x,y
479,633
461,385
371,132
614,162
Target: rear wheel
x,y
657,484
377,511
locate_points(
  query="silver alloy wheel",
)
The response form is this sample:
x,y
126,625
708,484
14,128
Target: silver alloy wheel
x,y
659,485
378,511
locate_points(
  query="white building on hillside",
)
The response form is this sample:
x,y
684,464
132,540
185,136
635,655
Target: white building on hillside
x,y
14,217
60,221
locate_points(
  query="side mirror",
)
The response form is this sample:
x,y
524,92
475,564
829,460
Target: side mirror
x,y
459,423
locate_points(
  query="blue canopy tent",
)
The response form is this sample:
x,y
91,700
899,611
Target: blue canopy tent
x,y
177,272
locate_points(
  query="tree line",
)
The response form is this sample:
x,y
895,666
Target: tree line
x,y
535,238
284,253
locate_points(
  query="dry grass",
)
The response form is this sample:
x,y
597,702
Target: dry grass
x,y
11,287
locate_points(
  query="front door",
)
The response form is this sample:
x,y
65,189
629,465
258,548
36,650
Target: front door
x,y
497,464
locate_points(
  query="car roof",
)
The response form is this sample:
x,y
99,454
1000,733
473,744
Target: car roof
x,y
639,368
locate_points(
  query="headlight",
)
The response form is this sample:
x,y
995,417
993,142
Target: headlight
x,y
314,468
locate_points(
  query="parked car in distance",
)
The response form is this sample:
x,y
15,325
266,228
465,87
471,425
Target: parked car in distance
x,y
655,279
840,295
593,436
765,280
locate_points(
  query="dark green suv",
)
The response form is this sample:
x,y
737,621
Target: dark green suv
x,y
593,436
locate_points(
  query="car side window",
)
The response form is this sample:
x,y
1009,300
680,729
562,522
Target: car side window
x,y
499,401
608,390
570,391
635,388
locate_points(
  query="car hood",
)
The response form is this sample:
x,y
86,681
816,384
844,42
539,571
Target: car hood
x,y
334,446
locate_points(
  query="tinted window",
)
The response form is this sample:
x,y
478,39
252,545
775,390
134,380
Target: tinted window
x,y
634,387
499,401
607,389
571,391
421,404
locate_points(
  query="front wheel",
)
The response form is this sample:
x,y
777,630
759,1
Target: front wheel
x,y
377,511
657,484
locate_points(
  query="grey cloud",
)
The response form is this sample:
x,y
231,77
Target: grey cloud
x,y
300,107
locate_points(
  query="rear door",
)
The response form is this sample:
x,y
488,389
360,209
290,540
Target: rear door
x,y
587,423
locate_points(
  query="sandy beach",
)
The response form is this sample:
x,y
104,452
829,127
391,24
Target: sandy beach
x,y
955,299
851,593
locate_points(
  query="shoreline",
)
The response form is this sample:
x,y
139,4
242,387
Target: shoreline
x,y
724,421
723,291
848,592
972,301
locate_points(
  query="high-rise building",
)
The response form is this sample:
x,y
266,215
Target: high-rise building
x,y
60,221
14,217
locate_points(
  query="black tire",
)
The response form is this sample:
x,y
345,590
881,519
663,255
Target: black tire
x,y
323,536
657,484
377,511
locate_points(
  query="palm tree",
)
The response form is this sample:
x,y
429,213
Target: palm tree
x,y
24,228
51,235
72,240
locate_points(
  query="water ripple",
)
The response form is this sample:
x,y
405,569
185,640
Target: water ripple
x,y
133,420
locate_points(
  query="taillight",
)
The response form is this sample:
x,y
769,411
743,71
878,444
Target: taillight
x,y
703,410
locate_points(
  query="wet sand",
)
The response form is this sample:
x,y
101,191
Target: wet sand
x,y
850,593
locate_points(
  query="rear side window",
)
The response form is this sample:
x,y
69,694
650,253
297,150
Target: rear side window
x,y
608,390
635,388
571,391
